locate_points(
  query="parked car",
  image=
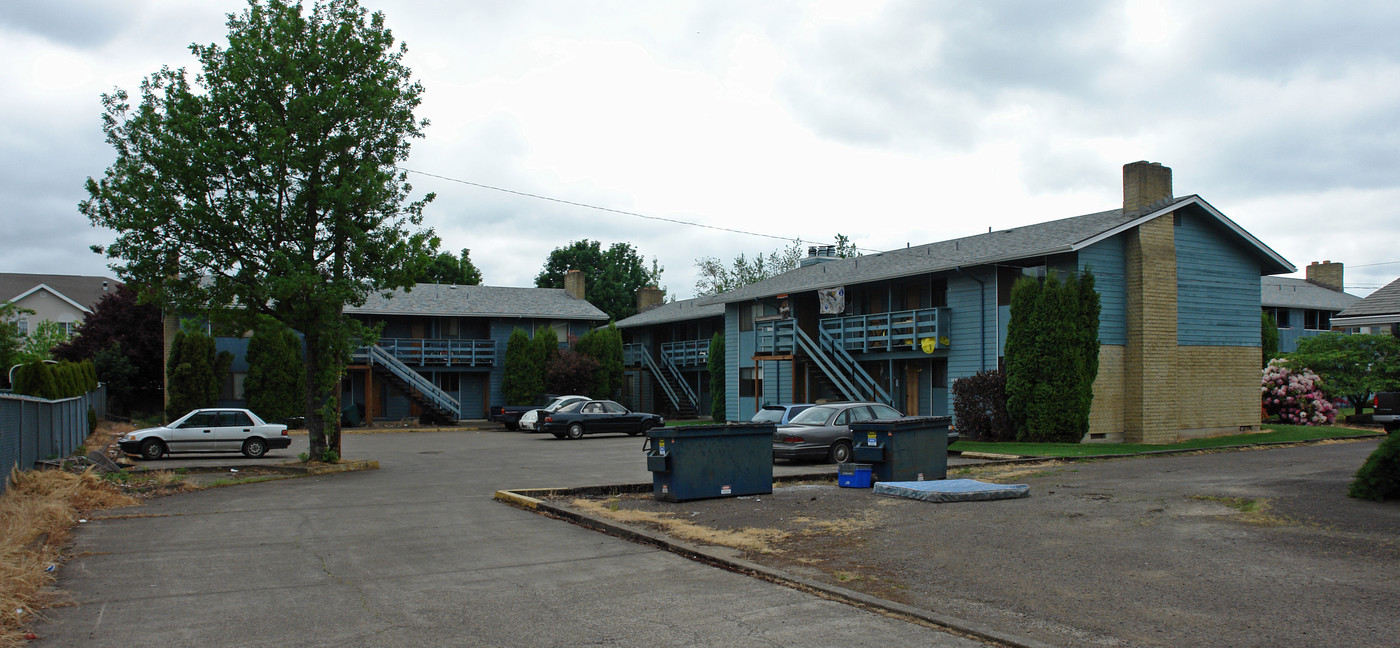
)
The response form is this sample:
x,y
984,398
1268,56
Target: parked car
x,y
529,421
824,431
208,430
509,415
598,416
778,414
1387,410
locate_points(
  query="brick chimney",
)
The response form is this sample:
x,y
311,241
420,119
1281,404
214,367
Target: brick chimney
x,y
1144,185
1325,274
649,297
573,283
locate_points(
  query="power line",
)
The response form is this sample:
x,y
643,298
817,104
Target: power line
x,y
605,209
1368,265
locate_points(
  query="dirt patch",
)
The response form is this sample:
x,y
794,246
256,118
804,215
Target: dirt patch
x,y
1202,549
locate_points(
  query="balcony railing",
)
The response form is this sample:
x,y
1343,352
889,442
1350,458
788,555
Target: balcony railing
x,y
687,353
896,331
441,352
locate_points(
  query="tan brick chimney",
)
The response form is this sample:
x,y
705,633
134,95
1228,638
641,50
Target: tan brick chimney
x,y
1145,184
649,297
573,283
1325,274
1150,355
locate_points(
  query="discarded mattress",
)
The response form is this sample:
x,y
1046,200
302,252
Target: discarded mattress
x,y
952,490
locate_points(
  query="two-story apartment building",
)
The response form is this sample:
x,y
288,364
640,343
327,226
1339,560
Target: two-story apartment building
x,y
441,351
1305,307
667,354
1179,285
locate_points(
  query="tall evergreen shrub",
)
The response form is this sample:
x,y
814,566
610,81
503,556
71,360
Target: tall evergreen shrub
x,y
523,378
276,382
718,407
1052,357
196,372
1379,478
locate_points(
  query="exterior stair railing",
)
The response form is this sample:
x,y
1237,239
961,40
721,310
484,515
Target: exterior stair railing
x,y
429,395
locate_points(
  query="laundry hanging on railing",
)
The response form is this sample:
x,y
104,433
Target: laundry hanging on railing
x,y
832,300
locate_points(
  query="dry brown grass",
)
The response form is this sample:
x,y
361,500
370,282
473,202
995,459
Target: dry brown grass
x,y
746,539
37,513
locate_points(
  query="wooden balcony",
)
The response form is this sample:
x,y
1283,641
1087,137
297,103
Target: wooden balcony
x,y
440,352
879,332
687,353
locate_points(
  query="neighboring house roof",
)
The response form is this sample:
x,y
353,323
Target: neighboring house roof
x,y
1039,239
480,301
1285,292
677,311
1380,307
80,291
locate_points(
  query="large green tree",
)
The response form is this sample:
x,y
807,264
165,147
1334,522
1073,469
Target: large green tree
x,y
604,345
448,268
612,277
1351,366
267,184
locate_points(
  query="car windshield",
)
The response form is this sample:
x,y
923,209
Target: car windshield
x,y
812,416
768,415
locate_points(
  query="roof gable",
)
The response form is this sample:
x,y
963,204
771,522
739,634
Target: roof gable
x,y
80,291
1383,302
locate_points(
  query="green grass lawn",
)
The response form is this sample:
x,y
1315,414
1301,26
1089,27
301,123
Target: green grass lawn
x,y
1271,434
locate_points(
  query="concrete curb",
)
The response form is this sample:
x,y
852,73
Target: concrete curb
x,y
347,465
534,500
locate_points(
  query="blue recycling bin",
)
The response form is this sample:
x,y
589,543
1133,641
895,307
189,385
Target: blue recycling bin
x,y
907,449
707,461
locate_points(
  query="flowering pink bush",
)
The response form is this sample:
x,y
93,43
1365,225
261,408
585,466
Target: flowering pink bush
x,y
1295,396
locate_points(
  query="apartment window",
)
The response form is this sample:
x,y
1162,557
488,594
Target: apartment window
x,y
22,326
1317,320
746,317
449,382
750,382
1280,317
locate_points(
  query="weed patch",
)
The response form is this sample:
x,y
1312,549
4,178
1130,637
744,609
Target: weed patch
x,y
755,540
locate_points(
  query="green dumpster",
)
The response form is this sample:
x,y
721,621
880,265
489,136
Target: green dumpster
x,y
907,449
705,461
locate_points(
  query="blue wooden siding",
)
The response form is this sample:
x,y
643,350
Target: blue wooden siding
x,y
733,342
971,350
1217,295
1108,261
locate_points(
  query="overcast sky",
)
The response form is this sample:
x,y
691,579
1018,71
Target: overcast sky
x,y
890,122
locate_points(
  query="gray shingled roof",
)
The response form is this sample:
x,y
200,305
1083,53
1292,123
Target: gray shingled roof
x,y
677,311
1285,292
1039,239
480,301
1385,301
81,289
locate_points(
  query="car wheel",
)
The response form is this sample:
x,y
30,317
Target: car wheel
x,y
840,452
254,448
575,430
152,449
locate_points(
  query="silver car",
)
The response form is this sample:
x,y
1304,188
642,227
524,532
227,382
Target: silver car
x,y
221,429
824,431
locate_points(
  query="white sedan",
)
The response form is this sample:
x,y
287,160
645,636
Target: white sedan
x,y
531,420
219,429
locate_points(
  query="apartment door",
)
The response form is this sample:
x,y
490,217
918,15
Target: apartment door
x,y
911,389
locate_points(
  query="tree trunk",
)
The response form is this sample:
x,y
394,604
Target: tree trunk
x,y
315,417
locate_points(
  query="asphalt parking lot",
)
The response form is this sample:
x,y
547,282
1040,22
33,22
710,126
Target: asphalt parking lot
x,y
418,554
